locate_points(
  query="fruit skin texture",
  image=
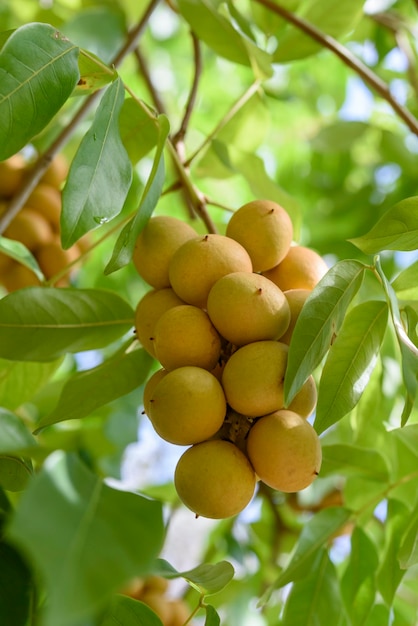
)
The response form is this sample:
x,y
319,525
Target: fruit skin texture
x,y
53,259
296,298
253,378
285,451
187,406
149,310
214,479
12,172
201,261
19,276
184,335
150,386
46,200
265,230
302,268
305,400
30,228
155,246
248,307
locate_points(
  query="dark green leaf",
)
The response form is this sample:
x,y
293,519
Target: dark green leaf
x,y
89,390
15,587
14,473
43,323
124,247
126,611
38,72
18,251
212,617
100,174
348,459
86,539
20,380
350,362
15,438
208,578
397,229
320,319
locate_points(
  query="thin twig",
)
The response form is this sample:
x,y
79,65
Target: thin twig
x,y
179,136
147,78
44,161
326,41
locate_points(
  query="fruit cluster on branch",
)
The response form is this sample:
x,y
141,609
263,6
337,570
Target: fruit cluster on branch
x,y
219,318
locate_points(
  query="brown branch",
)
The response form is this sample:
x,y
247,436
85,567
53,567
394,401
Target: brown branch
x,y
179,136
149,84
38,170
347,58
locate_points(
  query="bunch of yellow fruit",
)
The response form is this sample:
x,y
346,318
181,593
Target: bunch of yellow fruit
x,y
37,225
153,592
219,318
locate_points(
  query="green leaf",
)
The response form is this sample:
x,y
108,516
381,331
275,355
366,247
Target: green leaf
x,y
129,612
87,391
86,539
318,322
18,251
408,549
332,19
350,362
397,229
15,438
43,323
216,30
212,618
391,568
15,473
20,380
314,535
208,578
406,283
138,130
100,174
94,74
358,586
316,598
38,72
125,244
15,587
348,459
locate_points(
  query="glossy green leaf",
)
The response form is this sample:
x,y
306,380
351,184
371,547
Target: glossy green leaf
x,y
18,251
406,283
15,587
124,247
85,538
391,568
358,585
397,229
348,459
138,130
350,362
404,442
38,72
408,549
125,611
330,18
313,537
94,74
88,390
20,380
100,174
215,28
15,472
319,321
207,578
316,598
43,323
14,436
212,618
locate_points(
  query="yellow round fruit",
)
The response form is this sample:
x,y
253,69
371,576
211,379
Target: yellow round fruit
x,y
19,276
302,268
46,200
187,406
246,307
57,172
201,261
296,298
265,230
5,263
305,400
285,451
253,378
53,259
155,246
179,612
157,602
150,385
214,479
29,228
184,335
12,172
148,311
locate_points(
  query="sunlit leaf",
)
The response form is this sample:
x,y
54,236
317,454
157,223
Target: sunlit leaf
x,y
319,321
406,283
397,229
15,472
20,380
18,251
129,612
212,618
100,174
43,323
38,72
408,549
85,538
88,390
391,568
347,459
15,438
94,74
350,362
138,130
209,578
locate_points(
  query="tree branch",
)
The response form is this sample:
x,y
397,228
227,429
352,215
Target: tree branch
x,y
179,136
348,59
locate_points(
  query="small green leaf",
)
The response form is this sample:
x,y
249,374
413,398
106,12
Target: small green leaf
x,y
89,390
350,362
406,283
348,459
43,323
212,618
100,174
124,247
86,539
20,380
15,587
208,578
94,74
319,321
391,570
125,611
15,438
408,549
139,130
15,473
38,72
397,229
18,251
